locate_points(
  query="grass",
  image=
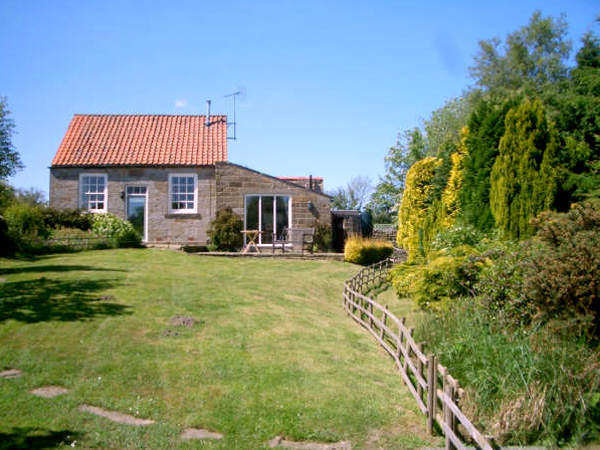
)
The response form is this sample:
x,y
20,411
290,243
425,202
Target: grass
x,y
273,354
400,307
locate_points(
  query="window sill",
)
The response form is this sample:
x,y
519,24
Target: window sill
x,y
174,215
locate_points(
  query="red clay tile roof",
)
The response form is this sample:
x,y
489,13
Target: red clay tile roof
x,y
142,140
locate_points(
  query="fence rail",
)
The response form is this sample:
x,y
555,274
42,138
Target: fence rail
x,y
436,392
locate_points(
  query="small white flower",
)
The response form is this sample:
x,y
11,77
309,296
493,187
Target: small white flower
x,y
73,444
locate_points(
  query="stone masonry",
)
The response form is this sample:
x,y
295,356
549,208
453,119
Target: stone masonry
x,y
219,186
163,228
234,182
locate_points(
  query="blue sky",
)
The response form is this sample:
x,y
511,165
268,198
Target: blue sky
x,y
328,84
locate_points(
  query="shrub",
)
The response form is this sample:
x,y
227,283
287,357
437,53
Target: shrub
x,y
69,233
110,226
225,231
561,271
500,288
129,239
67,218
366,251
6,245
434,285
457,235
554,277
25,222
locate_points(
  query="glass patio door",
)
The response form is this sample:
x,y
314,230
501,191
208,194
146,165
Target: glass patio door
x,y
136,209
269,214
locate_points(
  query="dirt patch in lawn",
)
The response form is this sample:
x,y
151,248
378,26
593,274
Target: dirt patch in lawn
x,y
279,441
199,433
10,373
184,321
49,391
115,416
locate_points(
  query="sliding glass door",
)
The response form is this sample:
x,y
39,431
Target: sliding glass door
x,y
271,214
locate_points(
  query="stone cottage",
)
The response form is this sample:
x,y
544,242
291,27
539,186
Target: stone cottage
x,y
169,175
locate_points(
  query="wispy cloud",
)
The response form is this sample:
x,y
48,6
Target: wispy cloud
x,y
181,103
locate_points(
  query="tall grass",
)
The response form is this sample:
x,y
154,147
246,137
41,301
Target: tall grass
x,y
523,386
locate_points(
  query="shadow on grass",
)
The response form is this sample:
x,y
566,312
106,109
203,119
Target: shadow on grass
x,y
53,268
36,438
46,299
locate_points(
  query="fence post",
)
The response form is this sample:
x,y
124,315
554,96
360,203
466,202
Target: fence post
x,y
420,370
385,310
400,335
450,391
408,349
431,391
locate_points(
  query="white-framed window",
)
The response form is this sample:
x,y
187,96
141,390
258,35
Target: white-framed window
x,y
93,192
271,214
183,193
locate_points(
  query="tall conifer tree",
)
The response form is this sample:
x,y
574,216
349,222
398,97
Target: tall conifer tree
x,y
524,178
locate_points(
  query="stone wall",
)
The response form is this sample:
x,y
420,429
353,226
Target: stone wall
x,y
220,186
163,227
234,182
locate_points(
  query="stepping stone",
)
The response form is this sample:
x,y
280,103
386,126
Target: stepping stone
x,y
199,433
115,416
279,441
49,391
10,373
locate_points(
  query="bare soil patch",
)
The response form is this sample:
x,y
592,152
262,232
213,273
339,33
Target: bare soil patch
x,y
49,391
115,416
279,441
10,373
199,433
184,321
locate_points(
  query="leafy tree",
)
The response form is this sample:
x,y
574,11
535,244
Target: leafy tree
x,y
442,134
354,196
415,206
524,176
31,196
579,124
9,158
409,148
486,127
450,196
532,58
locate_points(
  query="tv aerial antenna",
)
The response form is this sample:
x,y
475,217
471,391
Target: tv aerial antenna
x,y
234,123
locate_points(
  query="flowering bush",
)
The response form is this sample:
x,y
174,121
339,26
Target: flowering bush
x,y
110,226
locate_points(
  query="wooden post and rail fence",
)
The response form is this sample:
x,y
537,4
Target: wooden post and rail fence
x,y
437,393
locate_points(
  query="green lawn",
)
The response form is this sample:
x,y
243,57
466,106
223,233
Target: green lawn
x,y
273,354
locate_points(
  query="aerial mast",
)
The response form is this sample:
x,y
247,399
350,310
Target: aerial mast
x,y
234,95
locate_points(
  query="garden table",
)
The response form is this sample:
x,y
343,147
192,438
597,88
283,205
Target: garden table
x,y
251,238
